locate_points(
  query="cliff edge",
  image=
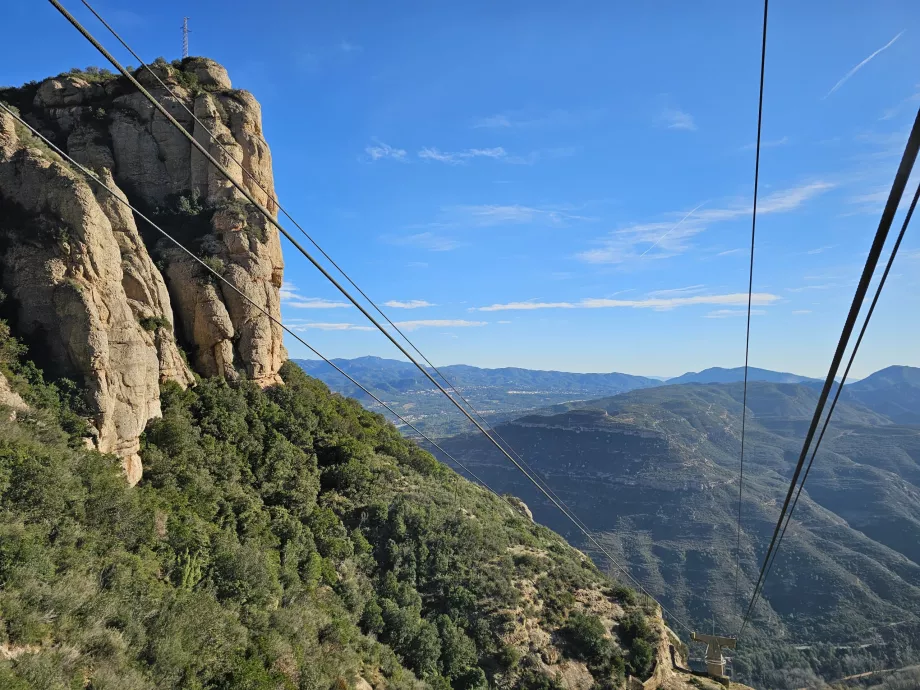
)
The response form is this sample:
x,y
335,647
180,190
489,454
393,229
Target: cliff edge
x,y
100,296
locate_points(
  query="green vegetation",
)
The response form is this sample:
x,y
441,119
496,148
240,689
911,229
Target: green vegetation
x,y
154,323
92,74
284,538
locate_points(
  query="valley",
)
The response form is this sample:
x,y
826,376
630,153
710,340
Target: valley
x,y
654,474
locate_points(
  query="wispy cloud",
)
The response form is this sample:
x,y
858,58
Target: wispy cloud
x,y
489,215
728,313
554,118
678,292
801,311
891,113
821,250
846,77
348,47
675,118
378,150
669,238
498,214
656,303
319,326
439,323
729,252
290,297
665,235
497,153
766,144
408,304
431,241
454,158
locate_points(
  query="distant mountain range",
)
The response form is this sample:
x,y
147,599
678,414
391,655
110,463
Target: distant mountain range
x,y
508,392
720,375
654,473
493,392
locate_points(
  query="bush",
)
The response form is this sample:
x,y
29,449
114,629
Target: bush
x,y
155,323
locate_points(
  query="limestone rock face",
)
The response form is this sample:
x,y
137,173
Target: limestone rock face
x,y
106,297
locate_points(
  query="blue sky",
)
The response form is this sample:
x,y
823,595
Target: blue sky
x,y
564,185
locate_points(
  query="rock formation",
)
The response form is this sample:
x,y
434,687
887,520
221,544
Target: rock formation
x,y
103,298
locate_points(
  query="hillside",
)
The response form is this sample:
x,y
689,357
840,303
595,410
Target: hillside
x,y
893,392
494,392
721,375
285,538
655,473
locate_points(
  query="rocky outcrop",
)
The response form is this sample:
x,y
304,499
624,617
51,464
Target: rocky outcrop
x,y
10,399
107,304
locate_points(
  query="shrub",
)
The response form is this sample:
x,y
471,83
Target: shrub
x,y
154,323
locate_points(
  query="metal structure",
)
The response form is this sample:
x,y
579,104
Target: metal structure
x,y
715,662
185,37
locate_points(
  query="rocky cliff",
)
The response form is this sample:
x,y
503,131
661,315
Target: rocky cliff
x,y
100,296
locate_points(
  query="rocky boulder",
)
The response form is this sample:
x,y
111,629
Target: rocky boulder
x,y
106,299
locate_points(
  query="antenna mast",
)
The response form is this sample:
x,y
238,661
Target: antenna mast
x,y
185,37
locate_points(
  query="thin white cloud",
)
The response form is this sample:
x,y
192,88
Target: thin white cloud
x,y
670,292
656,303
328,327
348,47
553,118
426,240
679,223
821,250
290,297
439,323
862,64
408,304
379,150
457,157
729,313
315,303
729,252
503,214
675,118
801,311
670,239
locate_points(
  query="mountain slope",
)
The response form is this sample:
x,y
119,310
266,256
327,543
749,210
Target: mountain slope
x,y
721,375
893,392
285,538
655,474
492,391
